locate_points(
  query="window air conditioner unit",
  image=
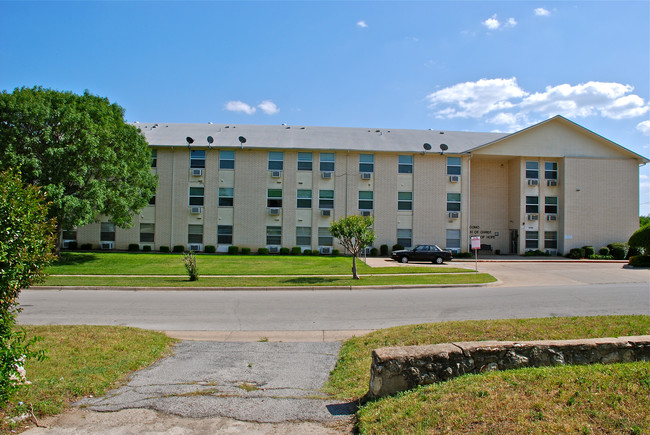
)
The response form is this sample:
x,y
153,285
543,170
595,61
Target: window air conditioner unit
x,y
195,209
326,212
196,172
326,250
454,178
195,248
532,217
533,182
365,212
326,175
66,243
366,175
551,217
107,245
276,174
453,214
274,211
551,183
274,249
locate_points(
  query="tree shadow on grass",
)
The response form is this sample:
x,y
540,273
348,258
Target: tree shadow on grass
x,y
70,258
312,280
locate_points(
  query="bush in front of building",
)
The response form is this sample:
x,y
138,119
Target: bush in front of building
x,y
306,252
164,249
464,255
146,248
397,247
640,261
210,249
635,251
600,257
263,251
618,250
245,251
72,246
603,251
589,250
577,253
374,252
134,247
296,250
86,246
285,251
233,250
383,250
178,248
336,252
536,253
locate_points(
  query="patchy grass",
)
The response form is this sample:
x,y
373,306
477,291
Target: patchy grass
x,y
350,377
248,387
82,361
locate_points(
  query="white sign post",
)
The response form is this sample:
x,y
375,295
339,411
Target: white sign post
x,y
476,245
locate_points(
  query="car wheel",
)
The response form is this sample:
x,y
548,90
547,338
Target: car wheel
x,y
438,260
404,259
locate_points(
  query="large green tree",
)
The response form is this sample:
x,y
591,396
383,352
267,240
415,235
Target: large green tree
x,y
354,233
78,148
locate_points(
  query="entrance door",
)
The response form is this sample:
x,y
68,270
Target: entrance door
x,y
514,241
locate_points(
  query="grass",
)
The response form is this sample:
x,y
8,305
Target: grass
x,y
568,399
82,361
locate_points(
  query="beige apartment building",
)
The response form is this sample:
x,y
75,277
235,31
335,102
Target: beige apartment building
x,y
553,186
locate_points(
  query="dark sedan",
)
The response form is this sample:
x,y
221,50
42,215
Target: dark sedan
x,y
422,253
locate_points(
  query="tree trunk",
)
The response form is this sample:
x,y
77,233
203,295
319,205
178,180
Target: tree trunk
x,y
57,241
354,267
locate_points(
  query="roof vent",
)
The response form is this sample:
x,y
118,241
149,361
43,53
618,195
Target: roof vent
x,y
442,132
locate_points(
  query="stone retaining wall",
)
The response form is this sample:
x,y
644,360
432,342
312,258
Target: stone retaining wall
x,y
397,369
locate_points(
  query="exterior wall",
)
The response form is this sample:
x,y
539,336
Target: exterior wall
x,y
429,199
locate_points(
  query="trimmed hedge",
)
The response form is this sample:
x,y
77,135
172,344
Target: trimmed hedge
x,y
146,248
245,251
577,253
589,250
383,250
640,261
72,246
210,249
233,250
603,251
618,250
306,252
263,251
335,252
296,250
178,248
164,249
397,247
284,251
134,247
374,252
86,246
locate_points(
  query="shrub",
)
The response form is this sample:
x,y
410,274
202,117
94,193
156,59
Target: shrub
x,y
576,253
134,247
178,248
600,257
640,261
589,250
464,255
210,249
383,250
336,252
189,259
374,252
315,252
296,250
284,251
164,249
263,251
536,253
634,251
641,238
72,246
306,252
618,250
397,247
86,246
245,251
233,250
603,251
146,248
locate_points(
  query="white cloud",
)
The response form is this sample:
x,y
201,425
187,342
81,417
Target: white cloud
x,y
240,106
504,102
493,23
644,127
268,107
511,22
362,24
541,12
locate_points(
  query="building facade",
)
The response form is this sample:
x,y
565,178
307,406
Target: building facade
x,y
551,187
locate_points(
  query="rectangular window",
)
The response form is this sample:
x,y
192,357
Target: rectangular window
x,y
326,199
194,233
532,170
152,200
154,158
226,159
366,163
550,205
366,199
453,166
405,164
550,239
532,204
273,235
532,240
197,159
196,195
453,202
276,160
405,200
324,237
274,198
107,232
304,198
147,233
226,196
453,240
405,237
69,234
550,170
304,161
303,236
224,234
327,162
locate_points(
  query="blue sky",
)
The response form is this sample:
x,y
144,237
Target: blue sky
x,y
478,66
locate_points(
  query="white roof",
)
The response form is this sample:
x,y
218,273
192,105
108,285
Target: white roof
x,y
291,137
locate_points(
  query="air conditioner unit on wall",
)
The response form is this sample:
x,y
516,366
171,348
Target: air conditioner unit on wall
x,y
454,178
276,174
326,212
551,217
533,182
107,245
274,211
365,212
532,217
551,183
196,209
326,250
274,249
196,172
195,248
326,175
453,214
366,175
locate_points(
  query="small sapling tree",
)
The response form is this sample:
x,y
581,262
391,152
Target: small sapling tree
x,y
189,258
354,233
